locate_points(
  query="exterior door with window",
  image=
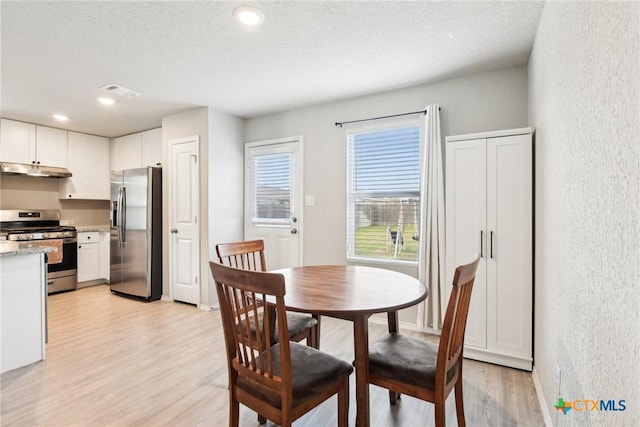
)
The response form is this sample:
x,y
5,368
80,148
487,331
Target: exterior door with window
x,y
273,204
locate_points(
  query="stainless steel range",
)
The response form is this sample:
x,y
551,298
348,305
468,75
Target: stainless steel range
x,y
43,228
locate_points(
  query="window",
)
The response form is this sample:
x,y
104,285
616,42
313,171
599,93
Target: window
x,y
383,194
271,178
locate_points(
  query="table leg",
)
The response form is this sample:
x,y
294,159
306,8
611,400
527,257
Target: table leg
x,y
361,347
392,320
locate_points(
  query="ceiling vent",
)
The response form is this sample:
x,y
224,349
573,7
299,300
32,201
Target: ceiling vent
x,y
121,91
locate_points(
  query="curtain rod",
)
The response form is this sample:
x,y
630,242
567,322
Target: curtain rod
x,y
383,117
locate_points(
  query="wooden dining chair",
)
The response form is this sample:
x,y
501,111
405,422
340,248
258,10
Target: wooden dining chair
x,y
281,381
249,255
426,371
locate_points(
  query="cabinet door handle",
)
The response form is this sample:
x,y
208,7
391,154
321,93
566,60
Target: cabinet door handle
x,y
491,244
481,243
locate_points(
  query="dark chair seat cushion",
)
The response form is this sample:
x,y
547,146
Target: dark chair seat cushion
x,y
297,324
405,359
312,371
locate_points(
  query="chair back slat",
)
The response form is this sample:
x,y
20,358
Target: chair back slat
x,y
241,294
245,312
246,255
455,320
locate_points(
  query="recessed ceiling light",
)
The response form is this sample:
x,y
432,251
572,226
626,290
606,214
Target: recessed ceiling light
x,y
60,117
248,15
106,101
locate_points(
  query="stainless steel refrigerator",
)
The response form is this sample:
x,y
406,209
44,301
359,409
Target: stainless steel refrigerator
x,y
136,233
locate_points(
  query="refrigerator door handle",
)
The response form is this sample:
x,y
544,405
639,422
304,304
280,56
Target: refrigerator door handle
x,y
118,216
123,213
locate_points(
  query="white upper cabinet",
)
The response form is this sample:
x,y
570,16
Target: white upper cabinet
x,y
89,164
17,141
51,146
32,144
137,150
152,147
126,152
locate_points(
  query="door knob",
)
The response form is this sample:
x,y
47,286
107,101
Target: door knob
x,y
174,230
294,231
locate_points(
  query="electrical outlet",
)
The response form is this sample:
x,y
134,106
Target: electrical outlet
x,y
559,380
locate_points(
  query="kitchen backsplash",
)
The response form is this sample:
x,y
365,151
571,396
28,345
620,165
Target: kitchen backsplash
x,y
25,192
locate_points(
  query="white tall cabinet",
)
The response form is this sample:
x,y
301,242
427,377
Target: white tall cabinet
x,y
489,211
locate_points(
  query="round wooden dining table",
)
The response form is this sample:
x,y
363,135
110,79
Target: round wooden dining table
x,y
353,293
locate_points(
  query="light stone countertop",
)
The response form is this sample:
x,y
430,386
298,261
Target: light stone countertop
x,y
92,228
9,248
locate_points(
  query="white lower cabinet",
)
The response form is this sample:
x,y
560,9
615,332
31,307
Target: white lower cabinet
x,y
23,296
93,257
489,205
89,256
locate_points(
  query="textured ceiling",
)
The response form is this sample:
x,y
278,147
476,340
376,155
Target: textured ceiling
x,y
180,55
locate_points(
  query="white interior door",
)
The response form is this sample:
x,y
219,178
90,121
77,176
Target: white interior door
x,y
184,243
273,199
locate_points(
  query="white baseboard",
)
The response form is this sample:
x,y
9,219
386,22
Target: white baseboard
x,y
204,307
498,358
90,283
544,408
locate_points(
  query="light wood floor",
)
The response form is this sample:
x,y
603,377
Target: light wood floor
x,y
112,361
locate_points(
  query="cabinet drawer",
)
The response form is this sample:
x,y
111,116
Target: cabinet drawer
x,y
89,237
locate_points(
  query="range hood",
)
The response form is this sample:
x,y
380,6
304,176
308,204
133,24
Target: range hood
x,y
7,168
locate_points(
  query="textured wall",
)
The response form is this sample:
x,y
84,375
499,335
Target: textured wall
x,y
475,103
583,102
225,185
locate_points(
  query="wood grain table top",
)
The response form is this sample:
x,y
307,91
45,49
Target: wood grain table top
x,y
343,290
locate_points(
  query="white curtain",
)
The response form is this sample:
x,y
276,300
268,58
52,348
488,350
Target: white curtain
x,y
431,267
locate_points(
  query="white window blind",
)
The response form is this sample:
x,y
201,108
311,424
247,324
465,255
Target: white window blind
x,y
383,194
271,178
